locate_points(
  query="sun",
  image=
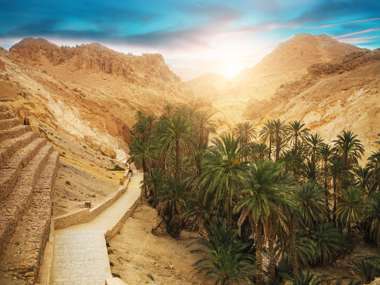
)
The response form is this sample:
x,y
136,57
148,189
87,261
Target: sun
x,y
231,68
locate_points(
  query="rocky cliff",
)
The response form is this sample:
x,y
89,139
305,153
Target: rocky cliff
x,y
89,91
330,97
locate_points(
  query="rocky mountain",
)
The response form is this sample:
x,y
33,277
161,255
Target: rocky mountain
x,y
289,61
89,91
328,84
330,97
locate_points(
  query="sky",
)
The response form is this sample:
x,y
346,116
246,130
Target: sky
x,y
195,37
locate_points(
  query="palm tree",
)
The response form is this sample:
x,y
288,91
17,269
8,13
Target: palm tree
x,y
350,149
225,258
279,130
256,151
374,171
245,132
267,135
373,217
297,133
172,200
307,278
325,152
350,208
261,203
367,268
223,173
174,138
310,204
203,126
362,177
314,142
336,168
329,242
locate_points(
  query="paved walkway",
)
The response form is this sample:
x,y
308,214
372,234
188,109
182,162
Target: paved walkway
x,y
80,251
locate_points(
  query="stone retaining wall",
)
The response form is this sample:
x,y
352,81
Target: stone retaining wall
x,y
85,215
116,228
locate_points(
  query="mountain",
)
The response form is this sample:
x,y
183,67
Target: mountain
x,y
328,84
330,97
289,61
89,92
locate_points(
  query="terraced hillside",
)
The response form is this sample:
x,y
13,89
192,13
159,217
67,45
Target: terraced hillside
x,y
28,166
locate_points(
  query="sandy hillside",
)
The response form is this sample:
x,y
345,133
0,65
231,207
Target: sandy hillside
x,y
140,257
343,94
84,100
289,61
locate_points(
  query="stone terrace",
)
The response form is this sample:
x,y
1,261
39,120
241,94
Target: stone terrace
x,y
28,166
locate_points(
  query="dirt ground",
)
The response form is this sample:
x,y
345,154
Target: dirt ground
x,y
76,184
139,257
84,174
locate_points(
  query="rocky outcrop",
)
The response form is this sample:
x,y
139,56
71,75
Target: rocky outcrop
x,y
87,90
28,166
288,62
342,94
95,57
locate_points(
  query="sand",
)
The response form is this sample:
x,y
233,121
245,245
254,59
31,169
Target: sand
x,y
139,257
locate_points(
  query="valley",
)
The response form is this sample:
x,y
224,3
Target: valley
x,y
99,107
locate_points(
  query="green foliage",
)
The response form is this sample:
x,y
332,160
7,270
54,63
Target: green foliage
x,y
223,173
350,208
307,278
225,258
284,195
310,204
330,243
367,268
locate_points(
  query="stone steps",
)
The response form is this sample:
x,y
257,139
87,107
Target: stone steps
x,y
14,132
28,167
4,108
9,123
9,170
10,146
18,200
7,115
23,253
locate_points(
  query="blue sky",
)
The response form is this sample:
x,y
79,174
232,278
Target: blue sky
x,y
193,36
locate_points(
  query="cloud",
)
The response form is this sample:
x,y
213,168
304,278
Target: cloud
x,y
334,9
359,40
349,35
323,26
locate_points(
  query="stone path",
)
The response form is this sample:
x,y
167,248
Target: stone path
x,y
80,251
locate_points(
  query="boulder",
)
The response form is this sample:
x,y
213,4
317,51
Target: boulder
x,y
107,151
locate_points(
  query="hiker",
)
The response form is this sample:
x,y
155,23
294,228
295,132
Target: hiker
x,y
130,172
26,121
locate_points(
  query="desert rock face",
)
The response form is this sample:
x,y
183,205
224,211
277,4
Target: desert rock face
x,y
88,91
288,62
95,58
342,94
328,84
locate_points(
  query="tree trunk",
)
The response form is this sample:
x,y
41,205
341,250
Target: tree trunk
x,y
259,255
177,160
335,198
272,260
278,147
144,166
270,147
293,256
326,187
